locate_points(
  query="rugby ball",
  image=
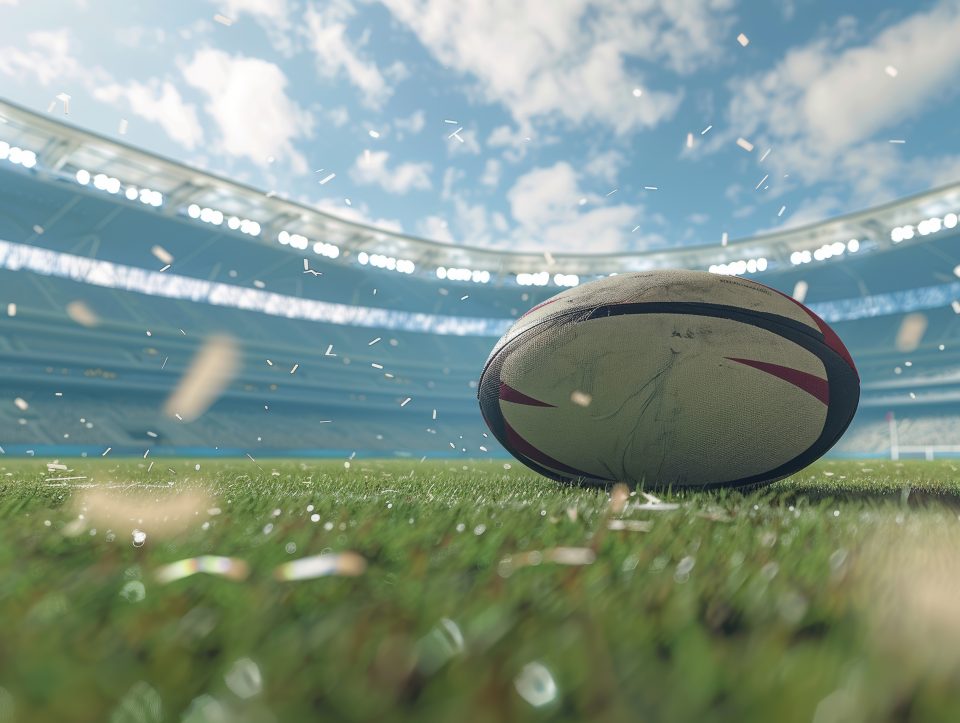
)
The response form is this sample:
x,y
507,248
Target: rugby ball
x,y
680,379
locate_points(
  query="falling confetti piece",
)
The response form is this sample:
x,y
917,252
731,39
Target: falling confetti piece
x,y
689,140
162,255
743,40
328,178
897,140
65,99
223,20
295,367
723,239
229,567
630,525
765,154
405,402
745,144
757,187
374,134
780,212
705,130
911,332
209,373
374,341
344,564
123,127
21,404
891,71
637,92
11,309
800,290
581,399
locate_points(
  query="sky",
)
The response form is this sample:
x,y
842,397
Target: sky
x,y
569,126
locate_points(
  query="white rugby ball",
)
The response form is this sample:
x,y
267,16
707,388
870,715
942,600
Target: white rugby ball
x,y
669,379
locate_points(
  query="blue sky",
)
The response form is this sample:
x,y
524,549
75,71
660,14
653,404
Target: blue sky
x,y
582,122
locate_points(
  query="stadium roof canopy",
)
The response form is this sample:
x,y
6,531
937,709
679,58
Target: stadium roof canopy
x,y
67,153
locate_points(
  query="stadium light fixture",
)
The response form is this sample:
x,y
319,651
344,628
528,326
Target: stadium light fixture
x,y
853,245
950,220
83,176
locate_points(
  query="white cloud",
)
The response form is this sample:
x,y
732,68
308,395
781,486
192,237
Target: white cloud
x,y
335,54
605,166
339,116
372,169
159,102
8,2
570,58
491,173
49,58
247,99
516,141
828,109
412,124
545,205
359,212
436,228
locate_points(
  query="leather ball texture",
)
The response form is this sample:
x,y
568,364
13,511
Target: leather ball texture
x,y
669,379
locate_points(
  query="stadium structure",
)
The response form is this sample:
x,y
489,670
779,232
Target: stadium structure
x,y
116,266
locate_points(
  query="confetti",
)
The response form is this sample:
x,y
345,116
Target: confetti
x,y
295,367
955,305
11,309
329,351
452,122
162,255
344,564
223,20
911,332
897,140
723,239
374,134
780,212
456,134
743,40
637,92
328,178
65,99
211,370
651,188
891,71
689,140
757,187
464,297
800,290
745,144
374,341
705,130
164,268
630,525
106,451
376,366
123,127
612,192
405,402
21,404
581,399
228,567
765,154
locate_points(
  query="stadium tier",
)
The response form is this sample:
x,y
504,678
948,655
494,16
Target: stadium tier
x,y
117,266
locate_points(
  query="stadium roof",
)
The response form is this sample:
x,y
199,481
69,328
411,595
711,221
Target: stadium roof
x,y
64,151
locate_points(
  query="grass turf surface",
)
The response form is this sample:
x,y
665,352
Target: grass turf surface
x,y
830,596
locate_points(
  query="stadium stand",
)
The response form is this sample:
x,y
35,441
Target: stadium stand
x,y
357,341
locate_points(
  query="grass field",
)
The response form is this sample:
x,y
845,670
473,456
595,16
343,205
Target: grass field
x,y
832,596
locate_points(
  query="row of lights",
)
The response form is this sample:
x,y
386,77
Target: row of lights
x,y
457,274
566,279
539,279
216,218
934,224
109,184
16,155
827,251
404,266
736,268
297,241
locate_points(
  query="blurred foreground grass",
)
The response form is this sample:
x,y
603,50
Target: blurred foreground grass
x,y
831,596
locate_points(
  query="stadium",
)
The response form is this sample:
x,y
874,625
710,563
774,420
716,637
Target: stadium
x,y
379,337
248,469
